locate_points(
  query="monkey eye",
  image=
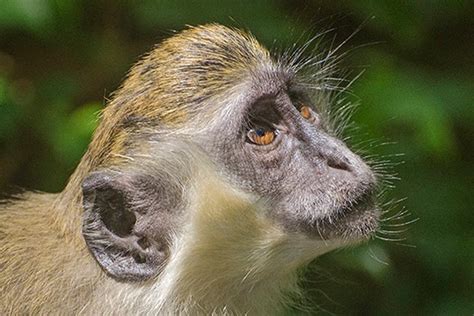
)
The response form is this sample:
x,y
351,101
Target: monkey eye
x,y
308,114
261,135
305,112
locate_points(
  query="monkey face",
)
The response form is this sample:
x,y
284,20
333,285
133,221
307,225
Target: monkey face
x,y
278,145
216,94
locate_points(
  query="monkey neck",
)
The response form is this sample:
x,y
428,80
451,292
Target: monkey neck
x,y
232,276
232,259
244,266
227,260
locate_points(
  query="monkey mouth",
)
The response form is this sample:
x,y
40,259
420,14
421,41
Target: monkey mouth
x,y
355,221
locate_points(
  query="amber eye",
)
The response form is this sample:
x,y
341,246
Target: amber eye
x,y
261,136
309,115
305,112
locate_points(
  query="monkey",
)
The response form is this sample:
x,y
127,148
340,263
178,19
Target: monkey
x,y
213,177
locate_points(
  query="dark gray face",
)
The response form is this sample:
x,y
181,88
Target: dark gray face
x,y
314,183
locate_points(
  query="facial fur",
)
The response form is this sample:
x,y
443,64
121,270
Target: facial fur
x,y
222,84
212,177
314,183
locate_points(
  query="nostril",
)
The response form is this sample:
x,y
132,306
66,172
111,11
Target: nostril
x,y
338,164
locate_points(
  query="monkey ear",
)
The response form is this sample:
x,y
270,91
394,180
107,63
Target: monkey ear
x,y
109,228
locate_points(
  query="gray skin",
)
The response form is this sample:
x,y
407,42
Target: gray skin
x,y
311,181
314,183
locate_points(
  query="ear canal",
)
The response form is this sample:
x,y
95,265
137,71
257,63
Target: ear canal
x,y
109,229
114,213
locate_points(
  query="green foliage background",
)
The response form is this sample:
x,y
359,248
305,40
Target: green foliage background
x,y
59,60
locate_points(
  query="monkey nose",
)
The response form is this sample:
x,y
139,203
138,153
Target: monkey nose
x,y
339,163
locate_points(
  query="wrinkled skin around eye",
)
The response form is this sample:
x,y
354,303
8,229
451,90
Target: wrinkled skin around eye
x,y
316,185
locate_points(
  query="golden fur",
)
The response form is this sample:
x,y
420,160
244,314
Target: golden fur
x,y
254,264
45,267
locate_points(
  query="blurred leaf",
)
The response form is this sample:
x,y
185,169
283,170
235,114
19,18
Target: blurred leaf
x,y
9,111
74,132
400,97
29,15
259,16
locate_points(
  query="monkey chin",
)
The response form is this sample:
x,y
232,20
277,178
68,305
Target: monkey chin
x,y
349,225
356,225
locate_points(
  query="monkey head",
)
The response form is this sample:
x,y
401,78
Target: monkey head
x,y
213,98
